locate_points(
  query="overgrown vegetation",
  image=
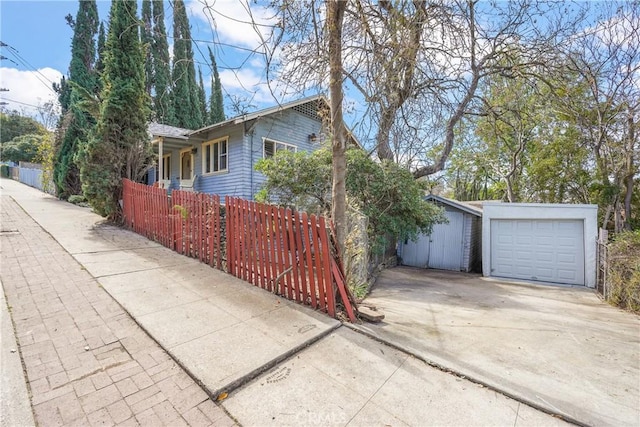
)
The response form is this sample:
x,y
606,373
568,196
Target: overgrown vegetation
x,y
13,124
45,157
22,148
383,191
20,137
78,199
624,270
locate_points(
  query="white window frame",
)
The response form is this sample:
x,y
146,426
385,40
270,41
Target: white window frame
x,y
275,147
212,143
166,166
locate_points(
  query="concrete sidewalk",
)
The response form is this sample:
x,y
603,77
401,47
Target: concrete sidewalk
x,y
225,332
209,321
86,362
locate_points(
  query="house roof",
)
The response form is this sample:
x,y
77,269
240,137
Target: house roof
x,y
465,207
260,113
181,136
158,129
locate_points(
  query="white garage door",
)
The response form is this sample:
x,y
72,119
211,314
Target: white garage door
x,y
545,250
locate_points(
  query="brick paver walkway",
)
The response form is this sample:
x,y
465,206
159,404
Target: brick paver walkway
x,y
87,361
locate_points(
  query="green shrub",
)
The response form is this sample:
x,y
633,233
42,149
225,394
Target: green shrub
x,y
77,199
624,270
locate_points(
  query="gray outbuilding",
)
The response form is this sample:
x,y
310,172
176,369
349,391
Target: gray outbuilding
x,y
456,245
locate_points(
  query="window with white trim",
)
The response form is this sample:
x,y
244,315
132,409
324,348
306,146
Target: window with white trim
x,y
271,147
166,166
215,156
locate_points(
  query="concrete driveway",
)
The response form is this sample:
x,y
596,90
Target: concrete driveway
x,y
558,348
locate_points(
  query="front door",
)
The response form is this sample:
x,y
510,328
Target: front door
x,y
186,165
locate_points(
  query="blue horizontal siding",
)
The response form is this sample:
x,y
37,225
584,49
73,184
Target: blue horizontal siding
x,y
234,181
287,126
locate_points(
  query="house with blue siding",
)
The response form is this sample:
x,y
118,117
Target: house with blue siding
x,y
220,158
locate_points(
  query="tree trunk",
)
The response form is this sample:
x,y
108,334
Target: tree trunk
x,y
384,129
630,169
335,17
510,196
459,112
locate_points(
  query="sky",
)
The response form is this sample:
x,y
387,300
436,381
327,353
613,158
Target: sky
x,y
36,49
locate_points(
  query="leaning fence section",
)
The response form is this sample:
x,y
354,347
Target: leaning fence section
x,y
289,253
281,251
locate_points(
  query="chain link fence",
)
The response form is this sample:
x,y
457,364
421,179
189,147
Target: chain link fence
x,y
618,272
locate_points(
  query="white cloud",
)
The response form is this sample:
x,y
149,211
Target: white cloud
x,y
246,82
28,90
235,22
236,31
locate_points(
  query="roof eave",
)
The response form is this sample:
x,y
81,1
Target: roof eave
x,y
455,204
260,113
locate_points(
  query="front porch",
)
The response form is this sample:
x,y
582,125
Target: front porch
x,y
175,167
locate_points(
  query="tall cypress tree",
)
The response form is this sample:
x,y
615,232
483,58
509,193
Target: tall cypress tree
x,y
146,37
82,79
64,95
216,105
185,89
102,37
160,55
119,145
202,97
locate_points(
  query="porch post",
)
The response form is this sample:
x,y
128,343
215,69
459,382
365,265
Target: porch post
x,y
160,162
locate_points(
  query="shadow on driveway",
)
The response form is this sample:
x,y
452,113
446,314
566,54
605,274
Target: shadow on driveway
x,y
560,348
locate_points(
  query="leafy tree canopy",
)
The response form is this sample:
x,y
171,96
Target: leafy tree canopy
x,y
12,124
23,148
385,192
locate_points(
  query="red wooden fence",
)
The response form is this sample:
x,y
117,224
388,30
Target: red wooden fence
x,y
189,223
288,253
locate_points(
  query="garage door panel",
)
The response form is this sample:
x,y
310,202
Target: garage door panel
x,y
524,225
543,275
543,241
524,270
544,257
569,275
545,250
566,258
568,242
505,239
543,227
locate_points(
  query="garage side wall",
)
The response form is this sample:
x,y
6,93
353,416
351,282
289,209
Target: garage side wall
x,y
475,264
471,241
540,211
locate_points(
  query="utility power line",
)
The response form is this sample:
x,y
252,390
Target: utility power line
x,y
39,107
13,51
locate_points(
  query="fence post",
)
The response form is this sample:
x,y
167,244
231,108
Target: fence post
x,y
601,271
